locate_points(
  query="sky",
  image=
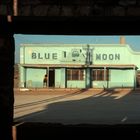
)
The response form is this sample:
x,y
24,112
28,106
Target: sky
x,y
133,41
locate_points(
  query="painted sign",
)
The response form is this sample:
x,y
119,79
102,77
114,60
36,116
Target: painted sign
x,y
44,56
75,54
107,56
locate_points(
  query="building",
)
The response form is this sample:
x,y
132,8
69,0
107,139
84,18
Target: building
x,y
79,65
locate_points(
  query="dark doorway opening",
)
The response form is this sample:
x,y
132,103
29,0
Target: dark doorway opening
x,y
51,78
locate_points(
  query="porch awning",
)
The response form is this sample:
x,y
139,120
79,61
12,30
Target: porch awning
x,y
78,66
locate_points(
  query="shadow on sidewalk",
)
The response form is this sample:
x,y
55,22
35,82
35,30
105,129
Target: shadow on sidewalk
x,y
103,114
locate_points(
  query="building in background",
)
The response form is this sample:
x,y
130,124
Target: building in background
x,y
79,65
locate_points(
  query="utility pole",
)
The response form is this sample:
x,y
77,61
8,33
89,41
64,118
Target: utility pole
x,y
89,54
89,59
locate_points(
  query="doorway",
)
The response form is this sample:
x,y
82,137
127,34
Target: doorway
x,y
51,78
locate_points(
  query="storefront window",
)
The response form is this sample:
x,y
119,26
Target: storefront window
x,y
99,75
75,74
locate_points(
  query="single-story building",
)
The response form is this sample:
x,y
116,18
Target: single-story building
x,y
79,65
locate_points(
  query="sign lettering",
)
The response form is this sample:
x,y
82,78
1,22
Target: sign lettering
x,y
54,56
107,56
44,56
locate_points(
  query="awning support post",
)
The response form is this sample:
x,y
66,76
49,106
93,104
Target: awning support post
x,y
134,68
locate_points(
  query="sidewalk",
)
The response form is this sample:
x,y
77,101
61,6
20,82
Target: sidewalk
x,y
75,89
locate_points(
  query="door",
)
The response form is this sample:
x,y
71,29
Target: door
x,y
51,78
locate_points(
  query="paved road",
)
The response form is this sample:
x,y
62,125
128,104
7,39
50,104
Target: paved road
x,y
78,106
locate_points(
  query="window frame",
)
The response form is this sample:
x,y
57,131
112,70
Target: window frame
x,y
100,76
71,74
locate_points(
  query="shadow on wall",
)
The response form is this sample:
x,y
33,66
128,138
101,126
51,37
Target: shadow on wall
x,y
106,111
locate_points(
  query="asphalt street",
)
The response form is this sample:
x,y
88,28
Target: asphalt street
x,y
78,106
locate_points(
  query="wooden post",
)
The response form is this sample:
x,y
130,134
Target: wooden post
x,y
48,77
15,7
134,68
14,133
104,76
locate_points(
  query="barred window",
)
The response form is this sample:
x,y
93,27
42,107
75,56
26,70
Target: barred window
x,y
98,75
75,74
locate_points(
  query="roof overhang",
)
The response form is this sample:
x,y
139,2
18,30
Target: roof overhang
x,y
79,66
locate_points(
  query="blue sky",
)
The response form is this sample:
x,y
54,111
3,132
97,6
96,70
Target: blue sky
x,y
133,41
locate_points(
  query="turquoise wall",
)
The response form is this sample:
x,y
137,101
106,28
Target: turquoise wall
x,y
99,84
22,76
118,78
114,54
63,77
76,54
60,78
57,78
76,84
121,78
22,55
101,54
34,77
